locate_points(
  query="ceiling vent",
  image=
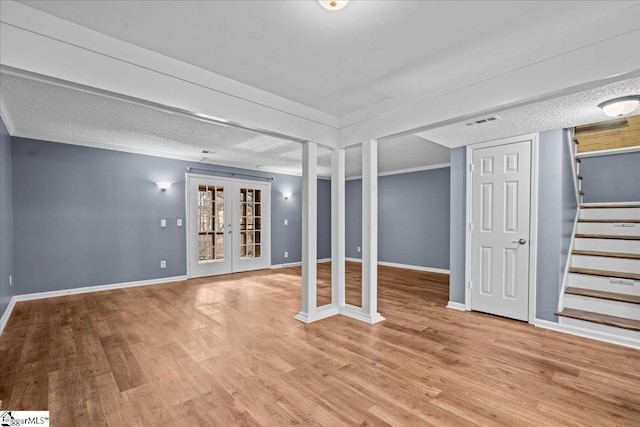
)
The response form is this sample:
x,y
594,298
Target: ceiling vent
x,y
483,120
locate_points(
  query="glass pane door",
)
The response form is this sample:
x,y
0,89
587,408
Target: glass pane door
x,y
209,236
228,226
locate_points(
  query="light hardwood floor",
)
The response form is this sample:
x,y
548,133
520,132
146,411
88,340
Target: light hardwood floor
x,y
227,351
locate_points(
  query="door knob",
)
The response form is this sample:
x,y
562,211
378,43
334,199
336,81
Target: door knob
x,y
521,241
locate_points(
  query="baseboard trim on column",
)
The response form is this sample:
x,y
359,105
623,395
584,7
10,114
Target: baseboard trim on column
x,y
321,313
356,313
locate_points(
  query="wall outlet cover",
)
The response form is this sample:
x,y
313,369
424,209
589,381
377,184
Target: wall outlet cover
x,y
163,264
286,254
163,223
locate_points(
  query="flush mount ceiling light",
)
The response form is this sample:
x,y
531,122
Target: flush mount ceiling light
x,y
620,106
333,4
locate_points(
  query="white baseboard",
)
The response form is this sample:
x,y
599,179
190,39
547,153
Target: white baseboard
x,y
84,290
457,306
586,333
87,289
406,266
297,264
7,313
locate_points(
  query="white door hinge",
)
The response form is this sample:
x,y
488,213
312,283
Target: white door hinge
x,y
470,284
470,167
470,226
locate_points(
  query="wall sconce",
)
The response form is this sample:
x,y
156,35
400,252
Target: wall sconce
x,y
163,185
286,195
620,106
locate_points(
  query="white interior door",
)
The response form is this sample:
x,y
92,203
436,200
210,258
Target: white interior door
x,y
501,188
228,225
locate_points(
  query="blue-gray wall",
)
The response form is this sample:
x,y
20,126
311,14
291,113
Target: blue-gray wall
x,y
458,207
556,214
413,218
85,216
613,178
6,224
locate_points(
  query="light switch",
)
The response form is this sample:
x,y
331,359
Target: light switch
x,y
286,254
286,222
179,222
163,223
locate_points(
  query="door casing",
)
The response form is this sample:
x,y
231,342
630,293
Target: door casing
x,y
266,249
533,224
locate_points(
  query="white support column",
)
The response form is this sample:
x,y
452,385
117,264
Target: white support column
x,y
338,202
369,310
309,311
309,231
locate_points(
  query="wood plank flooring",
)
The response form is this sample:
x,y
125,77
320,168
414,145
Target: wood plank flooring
x,y
227,351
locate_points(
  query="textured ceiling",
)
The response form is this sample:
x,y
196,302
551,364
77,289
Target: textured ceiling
x,y
337,62
563,112
46,111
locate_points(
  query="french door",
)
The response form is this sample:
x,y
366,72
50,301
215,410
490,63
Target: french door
x,y
228,225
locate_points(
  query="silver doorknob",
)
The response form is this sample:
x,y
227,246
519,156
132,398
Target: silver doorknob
x,y
521,241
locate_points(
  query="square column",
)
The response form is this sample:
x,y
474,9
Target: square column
x,y
338,203
309,311
368,312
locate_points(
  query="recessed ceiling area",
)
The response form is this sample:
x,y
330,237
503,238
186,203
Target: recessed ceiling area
x,y
63,114
338,62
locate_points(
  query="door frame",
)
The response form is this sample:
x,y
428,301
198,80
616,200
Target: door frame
x,y
533,221
266,229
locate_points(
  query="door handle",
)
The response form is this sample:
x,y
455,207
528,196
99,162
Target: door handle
x,y
521,241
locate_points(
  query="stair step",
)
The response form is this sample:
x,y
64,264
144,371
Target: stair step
x,y
620,206
604,273
612,221
606,236
603,319
614,296
607,254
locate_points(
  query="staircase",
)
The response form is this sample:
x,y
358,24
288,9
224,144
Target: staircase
x,y
602,292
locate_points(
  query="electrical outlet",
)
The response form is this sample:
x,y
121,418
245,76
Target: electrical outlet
x,y
286,254
163,223
286,222
163,264
179,222
358,248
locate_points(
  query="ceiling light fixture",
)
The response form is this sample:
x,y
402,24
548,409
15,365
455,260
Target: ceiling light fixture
x,y
333,5
620,106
